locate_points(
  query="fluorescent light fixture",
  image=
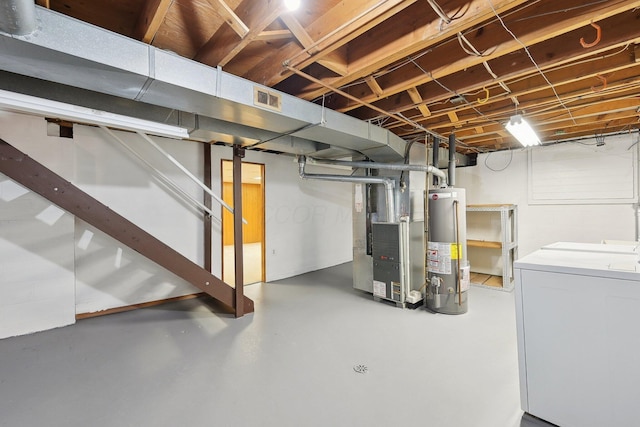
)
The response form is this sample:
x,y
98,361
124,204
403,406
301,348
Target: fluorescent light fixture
x,y
292,4
522,131
16,102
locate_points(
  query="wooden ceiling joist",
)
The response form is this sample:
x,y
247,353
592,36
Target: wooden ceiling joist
x,y
270,35
533,85
373,84
332,61
332,30
459,63
230,17
224,45
417,100
150,19
389,44
565,65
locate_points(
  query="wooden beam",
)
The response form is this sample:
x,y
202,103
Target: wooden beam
x,y
299,32
524,77
44,3
331,61
543,101
453,118
333,30
274,35
417,99
150,19
230,17
373,84
394,43
238,241
225,44
335,62
501,47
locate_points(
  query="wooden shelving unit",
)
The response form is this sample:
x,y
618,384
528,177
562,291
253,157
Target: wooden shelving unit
x,y
508,243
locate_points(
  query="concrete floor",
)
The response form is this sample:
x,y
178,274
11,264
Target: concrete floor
x,y
289,364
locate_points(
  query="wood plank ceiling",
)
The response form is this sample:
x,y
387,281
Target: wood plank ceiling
x,y
571,67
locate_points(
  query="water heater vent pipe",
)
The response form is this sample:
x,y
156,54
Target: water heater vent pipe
x,y
452,159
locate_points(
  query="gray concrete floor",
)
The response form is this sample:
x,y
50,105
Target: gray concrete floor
x,y
291,363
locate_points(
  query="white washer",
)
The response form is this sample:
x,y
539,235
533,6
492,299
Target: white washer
x,y
578,320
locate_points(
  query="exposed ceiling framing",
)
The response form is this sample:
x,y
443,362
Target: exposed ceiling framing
x,y
571,67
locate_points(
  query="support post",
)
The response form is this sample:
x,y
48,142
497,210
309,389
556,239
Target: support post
x,y
207,203
238,155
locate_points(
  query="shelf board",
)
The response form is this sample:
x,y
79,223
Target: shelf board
x,y
490,208
484,244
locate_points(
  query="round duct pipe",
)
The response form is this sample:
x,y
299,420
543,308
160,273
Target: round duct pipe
x,y
17,17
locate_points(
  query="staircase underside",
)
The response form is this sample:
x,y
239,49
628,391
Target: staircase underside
x,y
39,179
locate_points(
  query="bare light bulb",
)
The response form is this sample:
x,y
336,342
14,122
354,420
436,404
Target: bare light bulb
x,y
292,4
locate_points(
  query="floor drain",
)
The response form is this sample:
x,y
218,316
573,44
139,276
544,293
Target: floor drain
x,y
361,369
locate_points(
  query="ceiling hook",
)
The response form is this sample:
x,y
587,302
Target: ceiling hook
x,y
486,96
604,84
596,41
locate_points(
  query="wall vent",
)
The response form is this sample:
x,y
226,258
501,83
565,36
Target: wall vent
x,y
267,99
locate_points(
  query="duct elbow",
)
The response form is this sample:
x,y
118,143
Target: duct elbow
x,y
302,161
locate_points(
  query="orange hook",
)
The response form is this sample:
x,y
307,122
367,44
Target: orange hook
x,y
596,41
604,83
486,96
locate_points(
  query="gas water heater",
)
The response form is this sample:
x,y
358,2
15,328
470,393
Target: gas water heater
x,y
448,271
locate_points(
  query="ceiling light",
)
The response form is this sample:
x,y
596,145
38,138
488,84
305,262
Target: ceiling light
x,y
522,131
11,101
292,4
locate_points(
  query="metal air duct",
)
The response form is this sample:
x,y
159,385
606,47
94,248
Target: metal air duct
x,y
388,183
17,17
385,166
69,52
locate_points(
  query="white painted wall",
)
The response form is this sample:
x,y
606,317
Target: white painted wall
x,y
308,224
542,224
36,262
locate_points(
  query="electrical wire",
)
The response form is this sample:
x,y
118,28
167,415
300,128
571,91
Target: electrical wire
x,y
486,160
572,64
526,49
471,50
428,73
443,43
569,9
